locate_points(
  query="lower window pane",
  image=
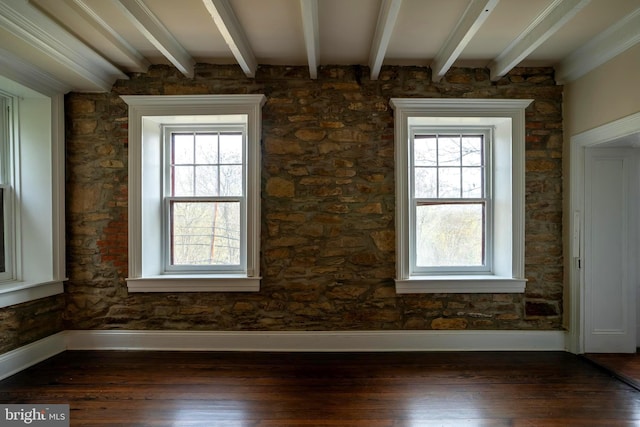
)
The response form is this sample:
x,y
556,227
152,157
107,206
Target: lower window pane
x,y
450,235
205,233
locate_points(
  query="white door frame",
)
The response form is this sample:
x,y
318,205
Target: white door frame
x,y
621,128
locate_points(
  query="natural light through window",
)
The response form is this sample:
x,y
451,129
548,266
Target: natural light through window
x,y
194,193
459,195
451,200
206,191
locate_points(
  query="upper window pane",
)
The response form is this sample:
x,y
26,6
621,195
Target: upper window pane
x,y
207,148
448,151
449,166
207,164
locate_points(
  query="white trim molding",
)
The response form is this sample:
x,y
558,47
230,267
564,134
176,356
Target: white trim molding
x,y
146,115
166,283
23,357
37,179
622,128
291,341
28,355
19,292
458,284
507,117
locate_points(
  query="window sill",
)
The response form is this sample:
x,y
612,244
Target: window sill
x,y
460,284
12,293
199,283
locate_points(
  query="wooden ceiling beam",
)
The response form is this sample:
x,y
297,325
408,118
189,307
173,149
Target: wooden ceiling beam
x,y
558,13
32,26
621,36
472,19
310,27
152,28
82,8
387,17
233,34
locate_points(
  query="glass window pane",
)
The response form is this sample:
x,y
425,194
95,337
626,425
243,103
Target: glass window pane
x,y
3,262
182,150
230,148
450,235
207,148
449,151
472,152
205,233
231,180
206,181
425,151
472,183
449,183
425,183
183,183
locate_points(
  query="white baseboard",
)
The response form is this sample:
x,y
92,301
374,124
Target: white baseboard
x,y
340,341
21,358
356,341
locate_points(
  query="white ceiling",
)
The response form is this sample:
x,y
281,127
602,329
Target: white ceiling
x,y
85,45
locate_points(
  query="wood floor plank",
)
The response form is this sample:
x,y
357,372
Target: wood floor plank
x,y
118,388
623,365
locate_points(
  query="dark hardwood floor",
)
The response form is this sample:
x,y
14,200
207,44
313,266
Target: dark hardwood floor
x,y
625,366
327,389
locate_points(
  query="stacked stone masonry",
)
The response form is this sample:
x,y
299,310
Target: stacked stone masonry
x,y
22,324
328,206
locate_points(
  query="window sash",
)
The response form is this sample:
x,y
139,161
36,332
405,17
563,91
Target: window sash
x,y
485,200
6,209
170,200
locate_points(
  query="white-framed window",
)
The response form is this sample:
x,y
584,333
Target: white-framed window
x,y
450,200
32,254
194,193
459,195
205,198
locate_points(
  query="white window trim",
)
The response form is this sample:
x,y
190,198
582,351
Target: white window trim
x,y
508,117
36,163
166,228
145,273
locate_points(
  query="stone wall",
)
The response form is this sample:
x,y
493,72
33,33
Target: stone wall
x,y
22,324
327,209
